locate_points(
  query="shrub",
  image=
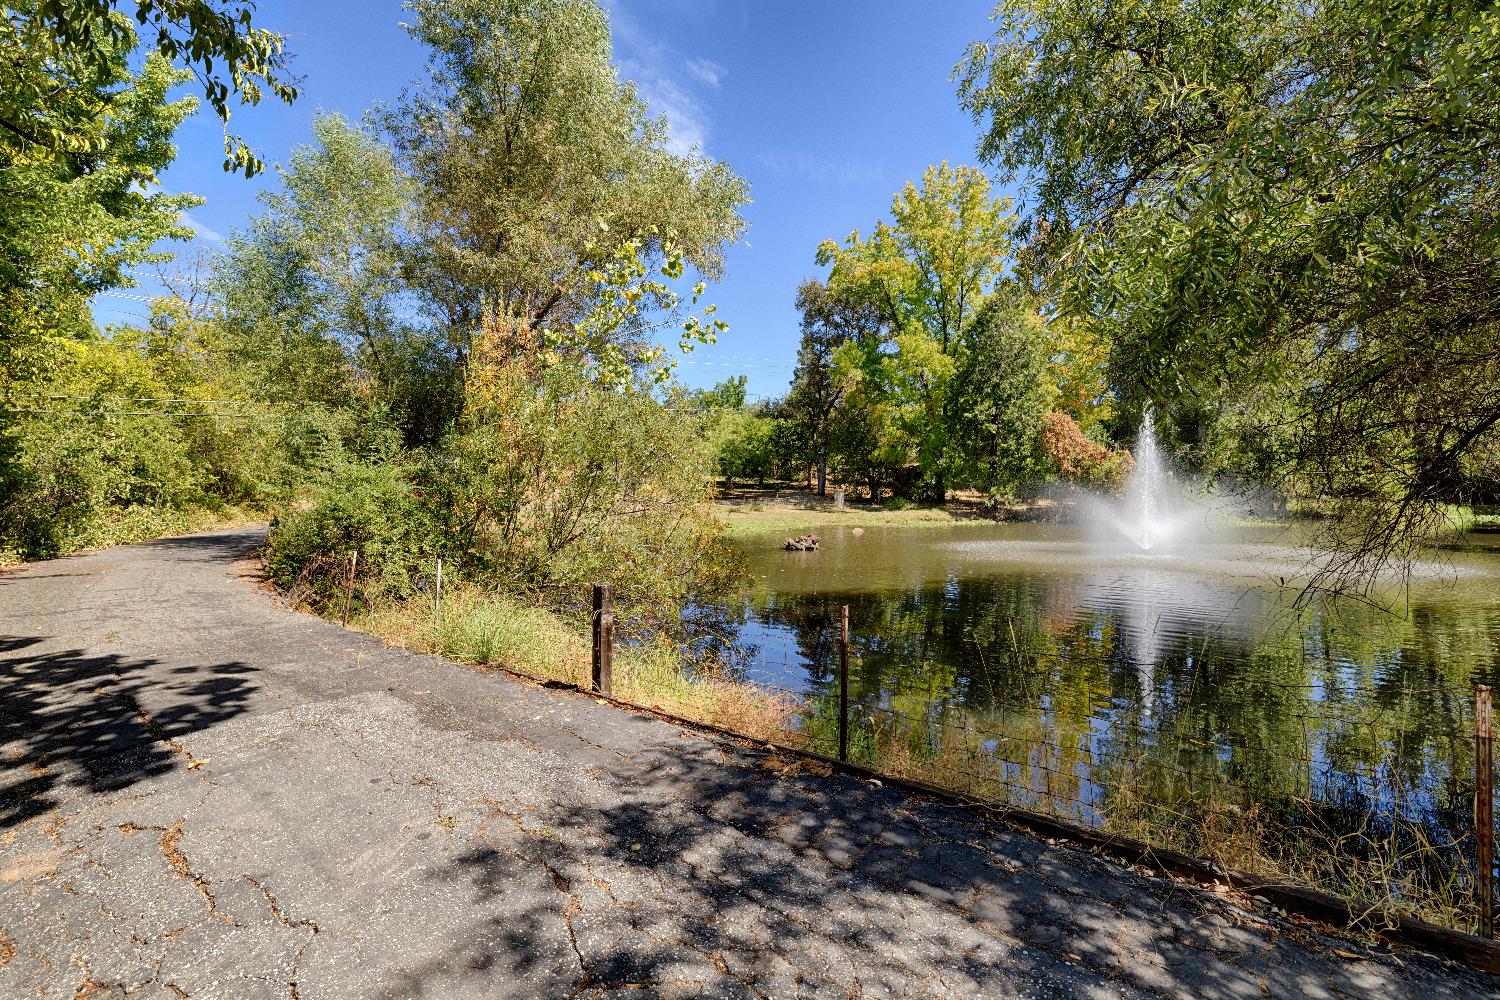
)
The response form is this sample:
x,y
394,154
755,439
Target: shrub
x,y
1080,461
67,477
553,481
549,483
367,508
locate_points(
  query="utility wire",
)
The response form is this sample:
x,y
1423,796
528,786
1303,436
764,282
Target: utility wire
x,y
146,413
151,399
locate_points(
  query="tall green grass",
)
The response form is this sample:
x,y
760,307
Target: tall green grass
x,y
476,626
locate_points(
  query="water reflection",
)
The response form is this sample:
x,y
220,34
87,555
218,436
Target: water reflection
x,y
1082,670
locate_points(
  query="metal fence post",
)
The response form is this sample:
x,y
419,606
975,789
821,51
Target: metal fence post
x,y
437,594
844,683
604,638
1484,819
349,594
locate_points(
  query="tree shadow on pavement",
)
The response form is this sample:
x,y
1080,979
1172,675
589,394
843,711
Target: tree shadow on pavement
x,y
214,547
99,723
712,879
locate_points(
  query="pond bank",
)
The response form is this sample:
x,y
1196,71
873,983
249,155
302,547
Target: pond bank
x,y
749,511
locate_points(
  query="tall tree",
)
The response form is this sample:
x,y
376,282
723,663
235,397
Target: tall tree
x,y
925,272
1294,197
1003,392
313,290
820,384
535,165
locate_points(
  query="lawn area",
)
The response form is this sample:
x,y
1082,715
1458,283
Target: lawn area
x,y
766,510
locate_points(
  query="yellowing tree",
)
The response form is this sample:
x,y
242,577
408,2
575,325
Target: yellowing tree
x,y
926,273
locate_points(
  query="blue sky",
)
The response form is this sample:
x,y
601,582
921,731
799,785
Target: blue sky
x,y
825,107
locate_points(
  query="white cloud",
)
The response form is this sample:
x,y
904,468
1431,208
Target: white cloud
x,y
687,122
204,233
816,168
705,70
669,82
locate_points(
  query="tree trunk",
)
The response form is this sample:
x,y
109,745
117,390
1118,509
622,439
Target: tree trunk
x,y
822,471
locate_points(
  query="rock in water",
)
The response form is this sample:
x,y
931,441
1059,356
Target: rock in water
x,y
803,543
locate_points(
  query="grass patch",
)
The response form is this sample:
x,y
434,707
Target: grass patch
x,y
495,629
762,518
1395,864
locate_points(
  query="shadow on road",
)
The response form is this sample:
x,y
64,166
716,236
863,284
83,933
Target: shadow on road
x,y
219,547
99,723
711,874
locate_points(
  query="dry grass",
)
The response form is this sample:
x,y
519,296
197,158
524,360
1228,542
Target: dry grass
x,y
484,628
1395,869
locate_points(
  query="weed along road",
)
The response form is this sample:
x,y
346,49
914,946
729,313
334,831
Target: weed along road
x,y
205,795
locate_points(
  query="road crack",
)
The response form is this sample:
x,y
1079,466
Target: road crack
x,y
171,849
280,916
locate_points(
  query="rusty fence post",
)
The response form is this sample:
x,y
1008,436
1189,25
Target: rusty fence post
x,y
437,594
844,683
1484,818
604,639
349,593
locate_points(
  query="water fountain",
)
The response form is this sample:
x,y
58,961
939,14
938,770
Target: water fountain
x,y
1155,512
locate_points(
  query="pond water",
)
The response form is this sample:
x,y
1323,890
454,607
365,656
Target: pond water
x,y
1076,662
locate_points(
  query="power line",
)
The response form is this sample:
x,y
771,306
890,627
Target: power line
x,y
146,413
735,364
151,399
148,299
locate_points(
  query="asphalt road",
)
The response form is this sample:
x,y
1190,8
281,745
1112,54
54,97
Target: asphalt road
x,y
205,795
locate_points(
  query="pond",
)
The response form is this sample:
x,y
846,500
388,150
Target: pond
x,y
1075,670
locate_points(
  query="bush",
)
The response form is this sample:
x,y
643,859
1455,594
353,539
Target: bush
x,y
66,478
367,508
552,482
1080,461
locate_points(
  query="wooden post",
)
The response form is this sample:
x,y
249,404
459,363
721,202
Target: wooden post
x,y
437,594
349,594
604,639
1484,819
844,683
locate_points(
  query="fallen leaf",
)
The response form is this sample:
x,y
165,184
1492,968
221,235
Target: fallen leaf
x,y
193,765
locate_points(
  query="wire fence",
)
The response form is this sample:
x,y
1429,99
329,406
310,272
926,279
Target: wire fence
x,y
1354,785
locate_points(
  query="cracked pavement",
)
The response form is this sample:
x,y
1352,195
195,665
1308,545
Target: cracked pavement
x,y
205,795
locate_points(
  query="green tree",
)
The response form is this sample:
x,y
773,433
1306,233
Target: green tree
x,y
60,61
70,226
1003,393
925,272
1078,368
314,293
73,225
726,395
744,446
819,384
541,178
1293,198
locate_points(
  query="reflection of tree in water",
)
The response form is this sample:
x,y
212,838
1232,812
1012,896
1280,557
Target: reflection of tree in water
x,y
1333,720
